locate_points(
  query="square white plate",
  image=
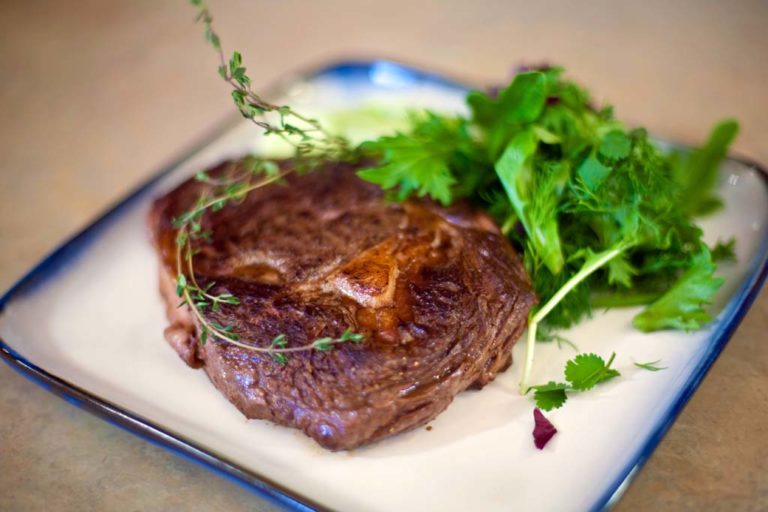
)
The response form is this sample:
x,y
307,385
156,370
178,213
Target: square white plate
x,y
87,323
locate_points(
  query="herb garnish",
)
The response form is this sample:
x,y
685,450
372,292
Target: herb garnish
x,y
312,146
582,373
311,142
651,366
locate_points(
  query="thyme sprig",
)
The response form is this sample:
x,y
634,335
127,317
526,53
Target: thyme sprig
x,y
201,299
312,145
309,139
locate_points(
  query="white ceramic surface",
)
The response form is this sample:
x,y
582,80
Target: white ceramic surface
x,y
97,322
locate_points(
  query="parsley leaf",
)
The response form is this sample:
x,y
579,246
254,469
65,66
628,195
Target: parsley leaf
x,y
421,161
682,307
586,370
411,167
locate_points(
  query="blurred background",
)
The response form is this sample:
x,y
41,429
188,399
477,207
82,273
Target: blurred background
x,y
96,95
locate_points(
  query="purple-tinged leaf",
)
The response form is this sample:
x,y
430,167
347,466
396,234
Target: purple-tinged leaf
x,y
543,429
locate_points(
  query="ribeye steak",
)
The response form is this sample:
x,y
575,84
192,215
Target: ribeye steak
x,y
439,294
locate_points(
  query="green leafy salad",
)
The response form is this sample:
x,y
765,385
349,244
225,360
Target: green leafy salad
x,y
602,216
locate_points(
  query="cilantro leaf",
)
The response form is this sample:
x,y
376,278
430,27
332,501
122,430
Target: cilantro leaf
x,y
698,173
582,372
586,370
682,307
550,395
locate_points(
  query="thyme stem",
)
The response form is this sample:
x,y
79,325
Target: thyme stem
x,y
312,144
312,136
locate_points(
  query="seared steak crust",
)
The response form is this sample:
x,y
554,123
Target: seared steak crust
x,y
439,294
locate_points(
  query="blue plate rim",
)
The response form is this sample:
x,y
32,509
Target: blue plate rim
x,y
261,484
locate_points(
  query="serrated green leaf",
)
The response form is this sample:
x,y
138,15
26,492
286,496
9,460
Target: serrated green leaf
x,y
550,396
418,163
587,370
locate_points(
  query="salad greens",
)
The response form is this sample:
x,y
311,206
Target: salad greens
x,y
603,217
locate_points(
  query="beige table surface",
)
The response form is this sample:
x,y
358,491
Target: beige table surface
x,y
96,95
